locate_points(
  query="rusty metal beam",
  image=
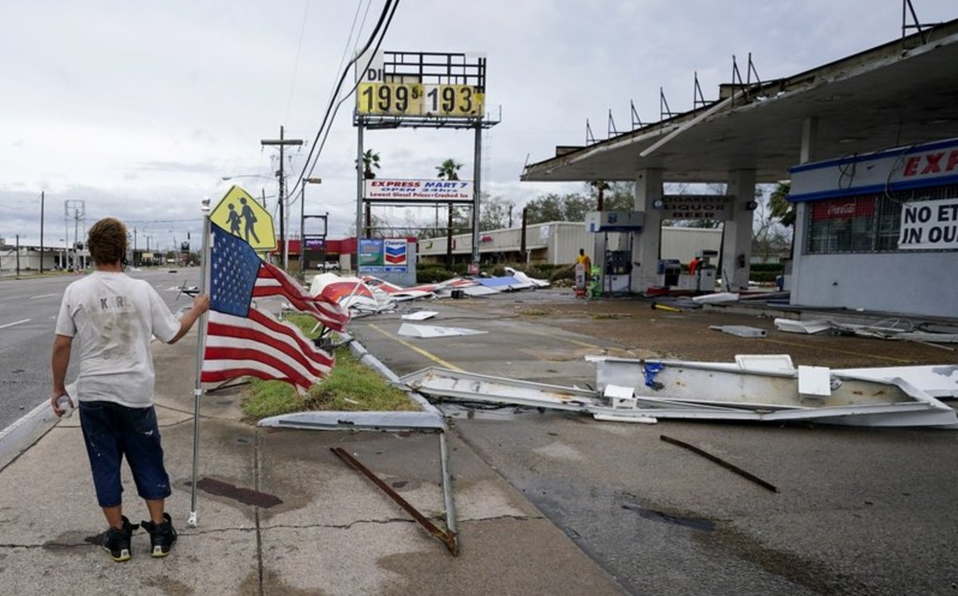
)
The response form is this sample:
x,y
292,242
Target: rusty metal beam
x,y
449,538
721,462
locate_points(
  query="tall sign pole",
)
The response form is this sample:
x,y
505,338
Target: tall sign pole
x,y
282,143
360,191
422,90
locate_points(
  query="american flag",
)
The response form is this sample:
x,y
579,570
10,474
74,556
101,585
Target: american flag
x,y
244,341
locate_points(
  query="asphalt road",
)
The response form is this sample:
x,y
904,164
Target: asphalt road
x,y
28,311
857,512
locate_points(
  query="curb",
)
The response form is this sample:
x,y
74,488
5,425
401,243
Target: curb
x,y
22,434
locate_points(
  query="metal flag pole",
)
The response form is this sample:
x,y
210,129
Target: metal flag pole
x,y
200,349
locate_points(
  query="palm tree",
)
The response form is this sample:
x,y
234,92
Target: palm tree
x,y
781,208
370,161
448,170
600,186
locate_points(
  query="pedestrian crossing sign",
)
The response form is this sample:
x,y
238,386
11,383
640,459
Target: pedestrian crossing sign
x,y
239,214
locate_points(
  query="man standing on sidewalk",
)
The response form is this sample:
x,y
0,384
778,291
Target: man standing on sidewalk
x,y
111,319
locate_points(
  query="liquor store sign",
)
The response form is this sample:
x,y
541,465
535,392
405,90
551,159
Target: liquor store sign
x,y
695,207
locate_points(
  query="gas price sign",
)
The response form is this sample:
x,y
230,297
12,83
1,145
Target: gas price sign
x,y
393,99
416,99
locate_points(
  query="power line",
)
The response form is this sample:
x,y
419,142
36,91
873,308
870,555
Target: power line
x,y
384,19
299,51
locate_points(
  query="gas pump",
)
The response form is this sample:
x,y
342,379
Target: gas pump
x,y
619,229
706,274
702,279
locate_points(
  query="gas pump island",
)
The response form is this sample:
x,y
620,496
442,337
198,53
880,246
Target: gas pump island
x,y
613,246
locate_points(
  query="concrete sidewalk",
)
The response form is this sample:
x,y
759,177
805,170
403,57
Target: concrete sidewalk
x,y
330,531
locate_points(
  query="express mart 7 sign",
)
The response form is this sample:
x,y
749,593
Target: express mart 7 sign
x,y
239,214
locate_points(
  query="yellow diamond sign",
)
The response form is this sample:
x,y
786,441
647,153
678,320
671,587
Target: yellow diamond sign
x,y
239,214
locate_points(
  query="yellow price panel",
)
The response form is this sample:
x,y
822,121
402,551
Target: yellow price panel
x,y
453,100
390,99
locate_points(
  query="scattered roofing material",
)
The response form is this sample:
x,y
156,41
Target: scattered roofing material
x,y
523,278
505,284
902,330
372,295
420,315
431,331
940,381
809,327
739,330
716,298
752,388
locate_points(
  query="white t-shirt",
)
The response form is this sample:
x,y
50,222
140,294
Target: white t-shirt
x,y
111,318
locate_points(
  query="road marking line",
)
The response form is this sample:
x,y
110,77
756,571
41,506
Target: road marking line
x,y
14,323
558,337
42,296
788,343
419,350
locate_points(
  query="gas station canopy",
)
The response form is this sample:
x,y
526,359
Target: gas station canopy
x,y
897,94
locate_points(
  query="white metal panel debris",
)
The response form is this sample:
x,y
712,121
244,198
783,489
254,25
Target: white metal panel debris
x,y
939,381
421,315
633,389
809,327
716,298
431,331
739,330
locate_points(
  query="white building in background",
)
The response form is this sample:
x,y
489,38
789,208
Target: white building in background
x,y
27,258
558,243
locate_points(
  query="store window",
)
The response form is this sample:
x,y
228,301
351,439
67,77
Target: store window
x,y
842,225
863,224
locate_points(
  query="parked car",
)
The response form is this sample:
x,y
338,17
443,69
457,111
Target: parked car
x,y
328,266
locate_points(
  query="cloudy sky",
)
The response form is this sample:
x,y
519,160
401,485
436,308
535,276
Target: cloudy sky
x,y
138,110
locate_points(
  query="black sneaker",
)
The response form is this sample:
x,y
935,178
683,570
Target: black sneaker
x,y
117,542
162,536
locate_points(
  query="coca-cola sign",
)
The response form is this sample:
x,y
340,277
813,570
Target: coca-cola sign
x,y
844,208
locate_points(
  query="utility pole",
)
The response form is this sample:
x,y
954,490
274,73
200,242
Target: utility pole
x,y
42,197
282,142
75,210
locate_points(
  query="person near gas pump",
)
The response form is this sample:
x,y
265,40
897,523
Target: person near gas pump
x,y
583,269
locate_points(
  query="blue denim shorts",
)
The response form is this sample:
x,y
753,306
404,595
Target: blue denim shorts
x,y
112,431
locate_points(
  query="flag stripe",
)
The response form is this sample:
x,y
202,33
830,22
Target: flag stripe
x,y
230,347
316,362
244,342
266,330
267,374
273,281
245,358
264,322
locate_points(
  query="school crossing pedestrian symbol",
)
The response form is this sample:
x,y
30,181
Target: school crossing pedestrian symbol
x,y
239,214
